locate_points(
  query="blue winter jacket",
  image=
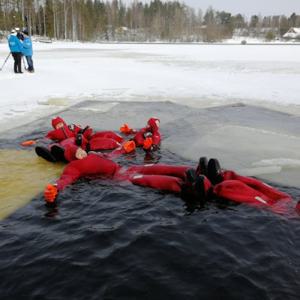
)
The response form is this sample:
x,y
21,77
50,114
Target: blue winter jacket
x,y
14,44
27,46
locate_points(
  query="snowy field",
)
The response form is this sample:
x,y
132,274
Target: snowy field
x,y
195,75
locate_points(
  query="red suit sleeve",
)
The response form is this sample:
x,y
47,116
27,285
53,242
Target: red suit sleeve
x,y
55,135
115,153
76,128
60,134
88,133
108,134
70,152
156,138
253,192
157,169
70,175
160,169
270,192
98,144
90,166
139,137
158,182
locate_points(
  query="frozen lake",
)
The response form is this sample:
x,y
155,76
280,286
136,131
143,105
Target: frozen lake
x,y
240,103
196,75
109,241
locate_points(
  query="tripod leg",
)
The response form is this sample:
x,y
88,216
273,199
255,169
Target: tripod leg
x,y
5,61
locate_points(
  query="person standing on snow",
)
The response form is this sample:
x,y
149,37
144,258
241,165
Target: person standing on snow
x,y
27,50
16,48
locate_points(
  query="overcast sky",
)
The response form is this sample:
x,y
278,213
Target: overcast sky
x,y
246,7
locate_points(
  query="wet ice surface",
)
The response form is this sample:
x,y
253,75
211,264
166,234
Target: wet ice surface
x,y
107,240
252,140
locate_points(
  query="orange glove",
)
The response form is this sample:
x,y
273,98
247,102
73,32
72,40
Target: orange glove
x,y
129,146
50,193
28,143
126,129
147,143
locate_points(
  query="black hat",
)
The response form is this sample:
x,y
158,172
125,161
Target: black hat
x,y
25,31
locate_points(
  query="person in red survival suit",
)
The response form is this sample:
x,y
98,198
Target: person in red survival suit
x,y
64,135
177,179
241,189
159,176
148,137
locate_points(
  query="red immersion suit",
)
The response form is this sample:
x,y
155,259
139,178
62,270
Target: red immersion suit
x,y
104,140
169,178
152,128
251,191
162,177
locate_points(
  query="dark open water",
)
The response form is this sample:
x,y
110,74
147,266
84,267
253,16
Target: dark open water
x,y
112,241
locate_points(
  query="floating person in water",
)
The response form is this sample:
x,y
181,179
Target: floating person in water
x,y
201,184
149,137
67,135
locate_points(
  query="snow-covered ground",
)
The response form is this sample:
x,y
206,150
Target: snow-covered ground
x,y
196,75
251,140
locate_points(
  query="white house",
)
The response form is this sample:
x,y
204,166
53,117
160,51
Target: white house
x,y
293,33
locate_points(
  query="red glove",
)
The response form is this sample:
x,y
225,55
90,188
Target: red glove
x,y
28,143
129,146
50,193
148,143
126,129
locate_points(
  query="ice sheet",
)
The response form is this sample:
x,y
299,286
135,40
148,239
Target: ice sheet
x,y
197,75
251,140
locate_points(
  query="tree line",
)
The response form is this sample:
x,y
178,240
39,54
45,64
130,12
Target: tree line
x,y
95,20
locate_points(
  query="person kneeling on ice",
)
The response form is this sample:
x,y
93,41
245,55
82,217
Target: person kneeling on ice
x,y
206,181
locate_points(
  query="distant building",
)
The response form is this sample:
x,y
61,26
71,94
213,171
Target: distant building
x,y
293,33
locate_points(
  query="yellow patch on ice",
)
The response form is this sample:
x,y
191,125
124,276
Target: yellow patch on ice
x,y
22,176
56,102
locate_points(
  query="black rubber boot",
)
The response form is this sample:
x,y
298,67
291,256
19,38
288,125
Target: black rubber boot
x,y
214,171
202,166
189,182
78,140
190,176
200,192
44,153
58,152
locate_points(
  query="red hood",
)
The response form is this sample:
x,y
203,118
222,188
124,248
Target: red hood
x,y
153,123
56,121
